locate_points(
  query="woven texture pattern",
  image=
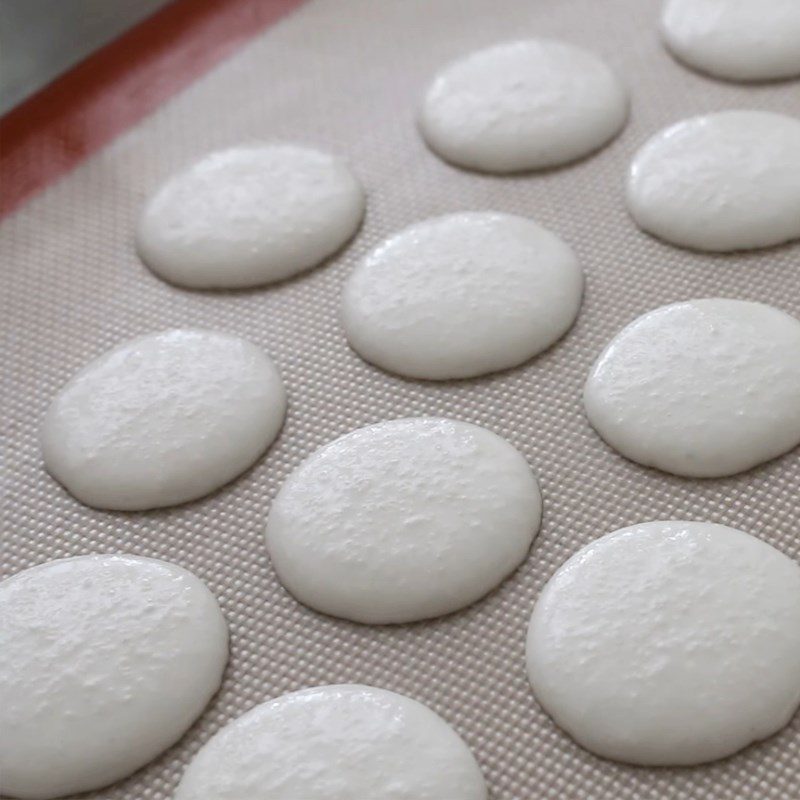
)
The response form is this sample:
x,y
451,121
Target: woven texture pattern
x,y
347,77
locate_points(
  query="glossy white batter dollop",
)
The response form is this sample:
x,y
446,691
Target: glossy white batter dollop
x,y
669,642
250,215
345,742
163,419
403,520
740,40
105,661
523,105
720,182
462,295
703,388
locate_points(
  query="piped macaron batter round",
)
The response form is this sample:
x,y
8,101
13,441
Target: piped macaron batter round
x,y
703,388
720,182
740,40
669,643
163,419
462,295
105,661
523,105
344,742
250,215
403,520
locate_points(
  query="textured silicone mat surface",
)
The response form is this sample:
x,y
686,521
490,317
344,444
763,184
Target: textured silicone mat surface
x,y
347,76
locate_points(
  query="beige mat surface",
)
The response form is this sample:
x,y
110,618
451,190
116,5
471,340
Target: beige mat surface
x,y
347,75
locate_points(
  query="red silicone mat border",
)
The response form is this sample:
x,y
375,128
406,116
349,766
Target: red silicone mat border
x,y
52,132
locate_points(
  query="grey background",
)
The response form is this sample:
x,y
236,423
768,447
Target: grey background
x,y
40,39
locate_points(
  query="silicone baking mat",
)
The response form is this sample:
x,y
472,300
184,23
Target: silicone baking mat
x,y
347,77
